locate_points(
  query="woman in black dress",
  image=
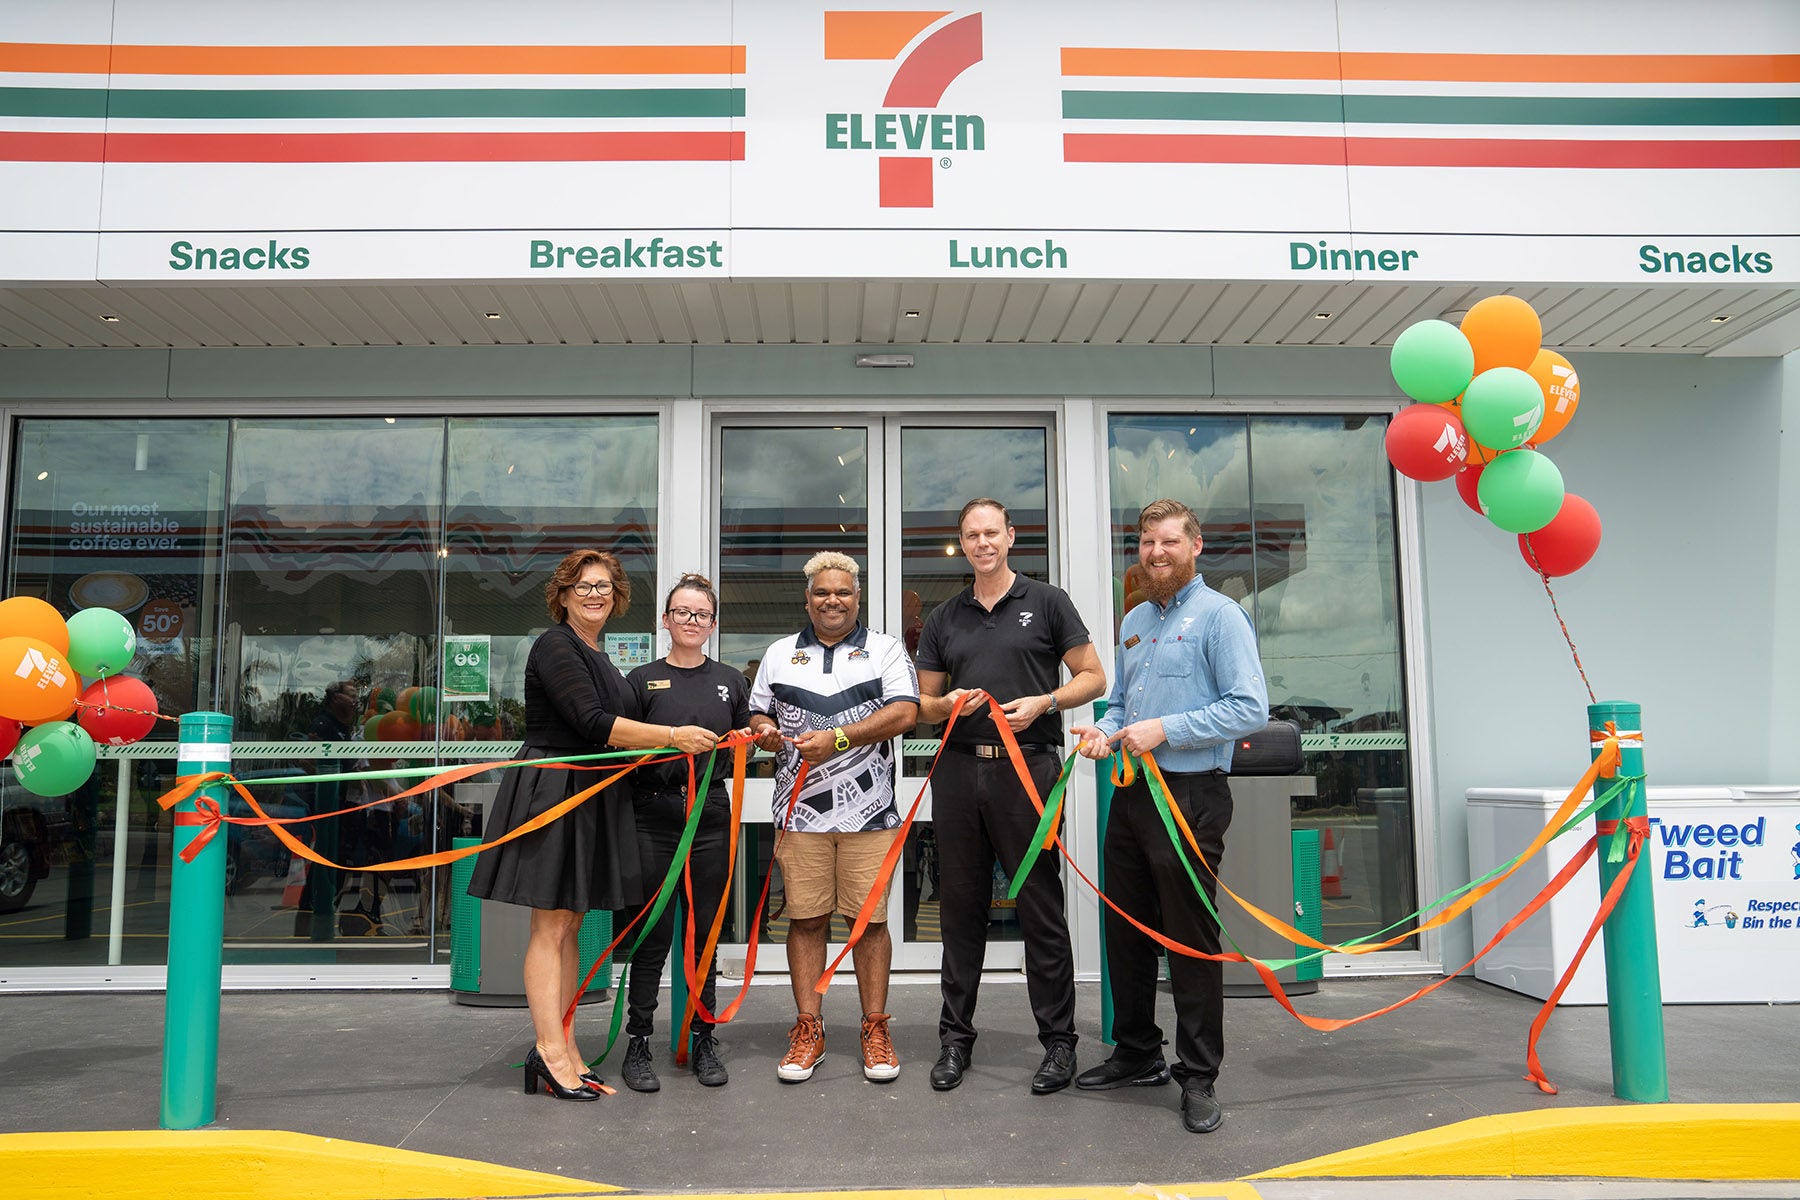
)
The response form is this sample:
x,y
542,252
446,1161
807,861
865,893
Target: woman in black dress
x,y
689,687
576,702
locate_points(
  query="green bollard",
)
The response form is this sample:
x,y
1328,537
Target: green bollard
x,y
678,988
196,937
1633,975
1103,794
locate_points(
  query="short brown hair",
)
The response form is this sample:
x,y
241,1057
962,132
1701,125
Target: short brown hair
x,y
982,502
1161,510
568,572
693,581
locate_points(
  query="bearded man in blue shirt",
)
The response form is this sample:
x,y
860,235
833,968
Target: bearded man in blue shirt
x,y
1187,684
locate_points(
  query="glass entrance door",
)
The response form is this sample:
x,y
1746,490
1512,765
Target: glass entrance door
x,y
887,492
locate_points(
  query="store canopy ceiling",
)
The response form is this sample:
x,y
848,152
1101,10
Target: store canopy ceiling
x,y
1698,320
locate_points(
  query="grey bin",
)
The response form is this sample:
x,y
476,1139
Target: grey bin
x,y
487,944
1259,866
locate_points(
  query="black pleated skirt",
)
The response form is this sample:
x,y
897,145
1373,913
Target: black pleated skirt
x,y
585,860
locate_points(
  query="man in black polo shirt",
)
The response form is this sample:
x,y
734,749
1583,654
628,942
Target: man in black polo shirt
x,y
1004,635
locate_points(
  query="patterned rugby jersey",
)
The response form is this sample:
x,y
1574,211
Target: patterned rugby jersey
x,y
803,686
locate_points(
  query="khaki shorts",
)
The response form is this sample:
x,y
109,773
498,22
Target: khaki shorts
x,y
823,873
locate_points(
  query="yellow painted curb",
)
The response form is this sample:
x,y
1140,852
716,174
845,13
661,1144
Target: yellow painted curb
x,y
251,1164
1644,1141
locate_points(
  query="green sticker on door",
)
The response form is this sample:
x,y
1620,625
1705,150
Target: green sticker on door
x,y
466,662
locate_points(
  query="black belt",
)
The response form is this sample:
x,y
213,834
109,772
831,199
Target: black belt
x,y
982,751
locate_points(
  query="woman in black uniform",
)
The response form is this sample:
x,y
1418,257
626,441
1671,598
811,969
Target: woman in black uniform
x,y
576,702
685,688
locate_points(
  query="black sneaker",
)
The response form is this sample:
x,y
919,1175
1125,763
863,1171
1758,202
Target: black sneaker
x,y
1200,1111
1124,1072
704,1058
637,1072
1057,1070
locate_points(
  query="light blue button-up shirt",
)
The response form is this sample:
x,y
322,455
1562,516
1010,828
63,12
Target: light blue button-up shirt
x,y
1194,664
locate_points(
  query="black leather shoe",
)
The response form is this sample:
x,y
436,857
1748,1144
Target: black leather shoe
x,y
537,1069
1056,1072
1124,1072
709,1068
637,1072
1200,1111
947,1072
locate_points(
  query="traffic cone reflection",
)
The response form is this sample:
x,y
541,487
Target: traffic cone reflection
x,y
1331,869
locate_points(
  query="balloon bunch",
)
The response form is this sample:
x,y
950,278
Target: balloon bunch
x,y
1490,396
408,715
42,661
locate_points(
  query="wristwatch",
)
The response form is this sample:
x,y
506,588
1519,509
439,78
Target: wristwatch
x,y
842,741
1053,702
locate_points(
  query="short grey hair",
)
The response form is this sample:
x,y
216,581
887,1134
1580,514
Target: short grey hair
x,y
831,560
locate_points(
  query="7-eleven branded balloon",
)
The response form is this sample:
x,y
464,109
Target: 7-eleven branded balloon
x,y
1562,393
36,683
1426,442
118,710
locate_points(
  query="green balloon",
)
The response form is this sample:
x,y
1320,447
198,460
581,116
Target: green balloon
x,y
1432,361
53,759
101,642
1503,408
424,705
1522,491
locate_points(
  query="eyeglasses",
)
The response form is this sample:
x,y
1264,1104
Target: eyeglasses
x,y
603,588
688,616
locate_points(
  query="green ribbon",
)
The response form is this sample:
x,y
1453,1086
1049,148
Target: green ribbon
x,y
1052,810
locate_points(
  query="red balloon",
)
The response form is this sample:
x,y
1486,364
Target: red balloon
x,y
110,725
10,733
1565,545
1467,480
1426,442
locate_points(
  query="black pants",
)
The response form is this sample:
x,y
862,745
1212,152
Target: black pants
x,y
660,819
980,812
1144,877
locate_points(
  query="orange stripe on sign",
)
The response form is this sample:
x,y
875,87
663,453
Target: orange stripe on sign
x,y
1465,68
873,34
53,57
427,60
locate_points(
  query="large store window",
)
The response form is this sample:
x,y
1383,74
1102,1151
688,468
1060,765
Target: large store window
x,y
1297,518
885,490
309,577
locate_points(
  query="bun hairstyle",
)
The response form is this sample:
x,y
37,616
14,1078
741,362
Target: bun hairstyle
x,y
568,573
695,582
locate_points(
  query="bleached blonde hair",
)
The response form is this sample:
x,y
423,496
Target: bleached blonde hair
x,y
831,560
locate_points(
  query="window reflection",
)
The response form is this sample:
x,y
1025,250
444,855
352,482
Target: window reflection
x,y
1298,527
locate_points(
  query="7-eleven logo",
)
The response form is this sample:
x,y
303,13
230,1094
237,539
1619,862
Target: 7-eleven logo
x,y
908,121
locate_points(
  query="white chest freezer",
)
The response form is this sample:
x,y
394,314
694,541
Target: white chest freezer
x,y
1725,866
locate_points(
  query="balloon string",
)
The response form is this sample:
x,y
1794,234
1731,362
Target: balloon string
x,y
1531,555
134,711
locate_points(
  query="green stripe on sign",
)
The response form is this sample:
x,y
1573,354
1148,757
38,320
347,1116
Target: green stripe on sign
x,y
52,102
394,104
1739,111
1200,106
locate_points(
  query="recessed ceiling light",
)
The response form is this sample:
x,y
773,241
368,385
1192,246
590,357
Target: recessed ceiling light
x,y
109,318
949,551
492,316
912,313
1721,318
42,475
1321,316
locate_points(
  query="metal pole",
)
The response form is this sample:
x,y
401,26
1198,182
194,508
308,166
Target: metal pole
x,y
1633,976
115,930
196,937
1103,794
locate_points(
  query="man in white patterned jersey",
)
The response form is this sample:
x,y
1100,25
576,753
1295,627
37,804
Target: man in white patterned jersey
x,y
841,693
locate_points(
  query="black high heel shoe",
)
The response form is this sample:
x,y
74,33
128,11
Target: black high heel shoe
x,y
536,1068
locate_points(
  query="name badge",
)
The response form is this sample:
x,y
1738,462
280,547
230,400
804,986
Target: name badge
x,y
1131,641
658,685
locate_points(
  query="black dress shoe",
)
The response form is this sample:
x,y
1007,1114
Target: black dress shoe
x,y
1056,1072
1124,1072
1200,1111
637,1072
947,1072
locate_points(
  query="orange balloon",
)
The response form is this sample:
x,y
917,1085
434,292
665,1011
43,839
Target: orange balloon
x,y
36,683
397,726
1479,455
1505,332
27,616
404,701
1562,394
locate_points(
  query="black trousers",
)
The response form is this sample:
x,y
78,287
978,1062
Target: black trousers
x,y
660,819
1144,876
980,813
